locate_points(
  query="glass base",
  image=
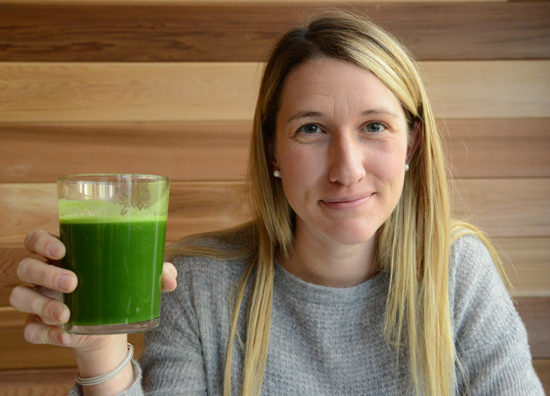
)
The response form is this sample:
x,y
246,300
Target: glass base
x,y
124,328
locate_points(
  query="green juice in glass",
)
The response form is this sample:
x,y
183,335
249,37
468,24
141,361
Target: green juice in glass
x,y
118,262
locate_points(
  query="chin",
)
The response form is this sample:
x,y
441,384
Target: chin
x,y
351,235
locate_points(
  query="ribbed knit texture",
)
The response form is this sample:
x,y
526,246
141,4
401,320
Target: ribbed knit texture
x,y
330,341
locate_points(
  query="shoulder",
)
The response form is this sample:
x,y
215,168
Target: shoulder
x,y
479,300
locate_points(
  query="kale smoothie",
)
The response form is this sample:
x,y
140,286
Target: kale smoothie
x,y
118,263
114,230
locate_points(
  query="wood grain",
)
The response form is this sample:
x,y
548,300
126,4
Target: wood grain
x,y
194,207
532,312
181,151
99,92
542,367
526,261
209,151
497,148
502,207
205,32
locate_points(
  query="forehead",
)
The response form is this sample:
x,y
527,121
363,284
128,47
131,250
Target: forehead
x,y
323,81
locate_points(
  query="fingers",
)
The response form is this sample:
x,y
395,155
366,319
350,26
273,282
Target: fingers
x,y
169,276
45,245
36,332
26,300
34,271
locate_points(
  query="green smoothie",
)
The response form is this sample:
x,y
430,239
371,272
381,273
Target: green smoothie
x,y
118,262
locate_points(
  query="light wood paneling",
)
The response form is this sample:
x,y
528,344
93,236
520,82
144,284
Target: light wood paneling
x,y
209,151
244,32
527,264
534,313
502,207
497,148
65,92
181,151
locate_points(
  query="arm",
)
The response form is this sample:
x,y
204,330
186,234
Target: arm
x,y
490,338
95,355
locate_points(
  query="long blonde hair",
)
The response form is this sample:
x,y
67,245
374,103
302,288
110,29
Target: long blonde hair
x,y
418,233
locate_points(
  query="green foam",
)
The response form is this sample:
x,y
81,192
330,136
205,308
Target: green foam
x,y
96,211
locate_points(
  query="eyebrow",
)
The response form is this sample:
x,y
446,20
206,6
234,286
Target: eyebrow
x,y
305,114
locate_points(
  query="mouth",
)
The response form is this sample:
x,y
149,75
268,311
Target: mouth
x,y
351,202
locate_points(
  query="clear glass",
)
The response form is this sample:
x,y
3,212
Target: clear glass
x,y
114,229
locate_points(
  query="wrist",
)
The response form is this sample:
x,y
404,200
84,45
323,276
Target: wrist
x,y
98,362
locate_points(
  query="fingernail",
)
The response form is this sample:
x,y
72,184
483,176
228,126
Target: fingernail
x,y
65,283
58,314
55,250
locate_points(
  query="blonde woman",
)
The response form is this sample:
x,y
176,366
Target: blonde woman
x,y
351,279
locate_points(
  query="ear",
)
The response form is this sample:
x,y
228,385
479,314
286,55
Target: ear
x,y
414,140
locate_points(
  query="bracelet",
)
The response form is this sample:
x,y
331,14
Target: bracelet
x,y
107,376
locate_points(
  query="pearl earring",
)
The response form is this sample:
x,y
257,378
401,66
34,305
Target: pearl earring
x,y
276,173
406,167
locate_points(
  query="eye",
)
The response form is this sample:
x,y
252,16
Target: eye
x,y
309,129
375,127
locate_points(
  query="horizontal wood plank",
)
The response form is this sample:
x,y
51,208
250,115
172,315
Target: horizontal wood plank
x,y
31,356
209,151
181,151
101,92
502,207
206,31
534,313
497,148
526,262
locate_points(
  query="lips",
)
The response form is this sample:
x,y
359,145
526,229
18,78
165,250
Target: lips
x,y
350,202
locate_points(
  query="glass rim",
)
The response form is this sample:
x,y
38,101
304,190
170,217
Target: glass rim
x,y
93,177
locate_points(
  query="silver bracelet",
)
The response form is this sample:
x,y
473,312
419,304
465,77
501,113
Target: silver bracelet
x,y
107,376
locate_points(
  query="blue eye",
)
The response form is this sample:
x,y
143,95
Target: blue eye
x,y
309,129
375,127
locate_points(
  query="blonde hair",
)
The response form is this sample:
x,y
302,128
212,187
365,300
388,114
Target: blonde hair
x,y
419,231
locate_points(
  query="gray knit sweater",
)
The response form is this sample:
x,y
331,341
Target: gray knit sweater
x,y
330,341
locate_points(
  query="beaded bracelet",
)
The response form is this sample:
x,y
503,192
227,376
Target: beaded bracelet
x,y
107,376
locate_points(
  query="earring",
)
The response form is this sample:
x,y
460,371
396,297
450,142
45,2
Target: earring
x,y
276,173
406,167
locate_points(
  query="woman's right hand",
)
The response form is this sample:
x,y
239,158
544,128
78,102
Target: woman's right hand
x,y
43,303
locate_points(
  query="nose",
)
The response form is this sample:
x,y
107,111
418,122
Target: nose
x,y
346,160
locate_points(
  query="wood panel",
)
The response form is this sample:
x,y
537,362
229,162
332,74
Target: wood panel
x,y
181,151
534,313
233,32
46,356
502,207
66,92
526,261
497,148
209,151
54,382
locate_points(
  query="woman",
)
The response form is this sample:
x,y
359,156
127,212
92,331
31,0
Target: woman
x,y
351,279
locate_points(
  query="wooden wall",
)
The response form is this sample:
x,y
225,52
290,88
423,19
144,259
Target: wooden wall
x,y
168,87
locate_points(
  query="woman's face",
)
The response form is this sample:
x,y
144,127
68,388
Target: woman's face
x,y
341,147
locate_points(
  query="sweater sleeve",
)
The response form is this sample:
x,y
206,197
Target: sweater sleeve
x,y
171,363
490,338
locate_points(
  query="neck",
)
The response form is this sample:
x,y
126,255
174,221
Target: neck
x,y
331,264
